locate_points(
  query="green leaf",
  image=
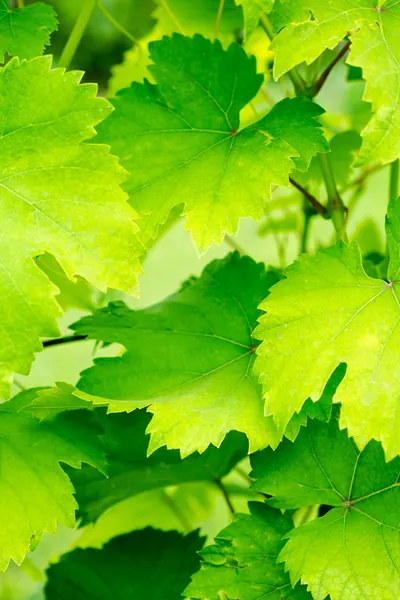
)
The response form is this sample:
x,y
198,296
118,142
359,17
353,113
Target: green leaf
x,y
352,551
24,32
252,11
146,564
35,492
198,347
326,312
242,563
312,26
57,195
131,472
186,130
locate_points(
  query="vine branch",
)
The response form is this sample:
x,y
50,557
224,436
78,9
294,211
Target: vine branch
x,y
326,72
337,211
312,199
77,32
63,340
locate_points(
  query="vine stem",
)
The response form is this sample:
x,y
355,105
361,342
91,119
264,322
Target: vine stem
x,y
63,340
219,16
116,23
325,74
76,34
225,494
172,16
336,209
394,180
231,241
312,200
20,4
306,231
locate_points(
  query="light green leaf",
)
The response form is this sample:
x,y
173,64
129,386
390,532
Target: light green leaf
x,y
35,492
352,551
24,32
144,564
186,130
131,472
57,195
312,26
252,11
242,563
326,312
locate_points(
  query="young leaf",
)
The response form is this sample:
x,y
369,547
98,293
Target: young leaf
x,y
329,311
35,492
312,26
57,195
198,347
184,144
352,551
144,564
242,563
24,32
131,472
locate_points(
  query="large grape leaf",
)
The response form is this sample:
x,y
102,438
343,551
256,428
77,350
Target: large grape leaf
x,y
24,32
185,145
57,195
242,563
147,565
131,472
313,26
326,312
35,492
189,357
352,551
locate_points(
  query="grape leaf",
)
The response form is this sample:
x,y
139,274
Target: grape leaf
x,y
242,563
57,195
198,347
186,130
148,564
375,48
35,492
252,11
352,551
329,311
24,32
131,472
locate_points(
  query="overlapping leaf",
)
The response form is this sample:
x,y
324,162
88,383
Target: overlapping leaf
x,y
312,26
189,358
24,32
326,312
35,492
57,195
131,472
148,564
182,143
252,11
243,562
352,551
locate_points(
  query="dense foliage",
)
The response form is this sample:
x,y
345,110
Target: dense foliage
x,y
234,434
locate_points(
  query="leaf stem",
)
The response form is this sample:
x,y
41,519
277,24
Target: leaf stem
x,y
76,34
336,209
63,340
394,180
116,23
243,474
172,16
306,230
225,494
326,72
20,4
231,241
219,16
312,200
